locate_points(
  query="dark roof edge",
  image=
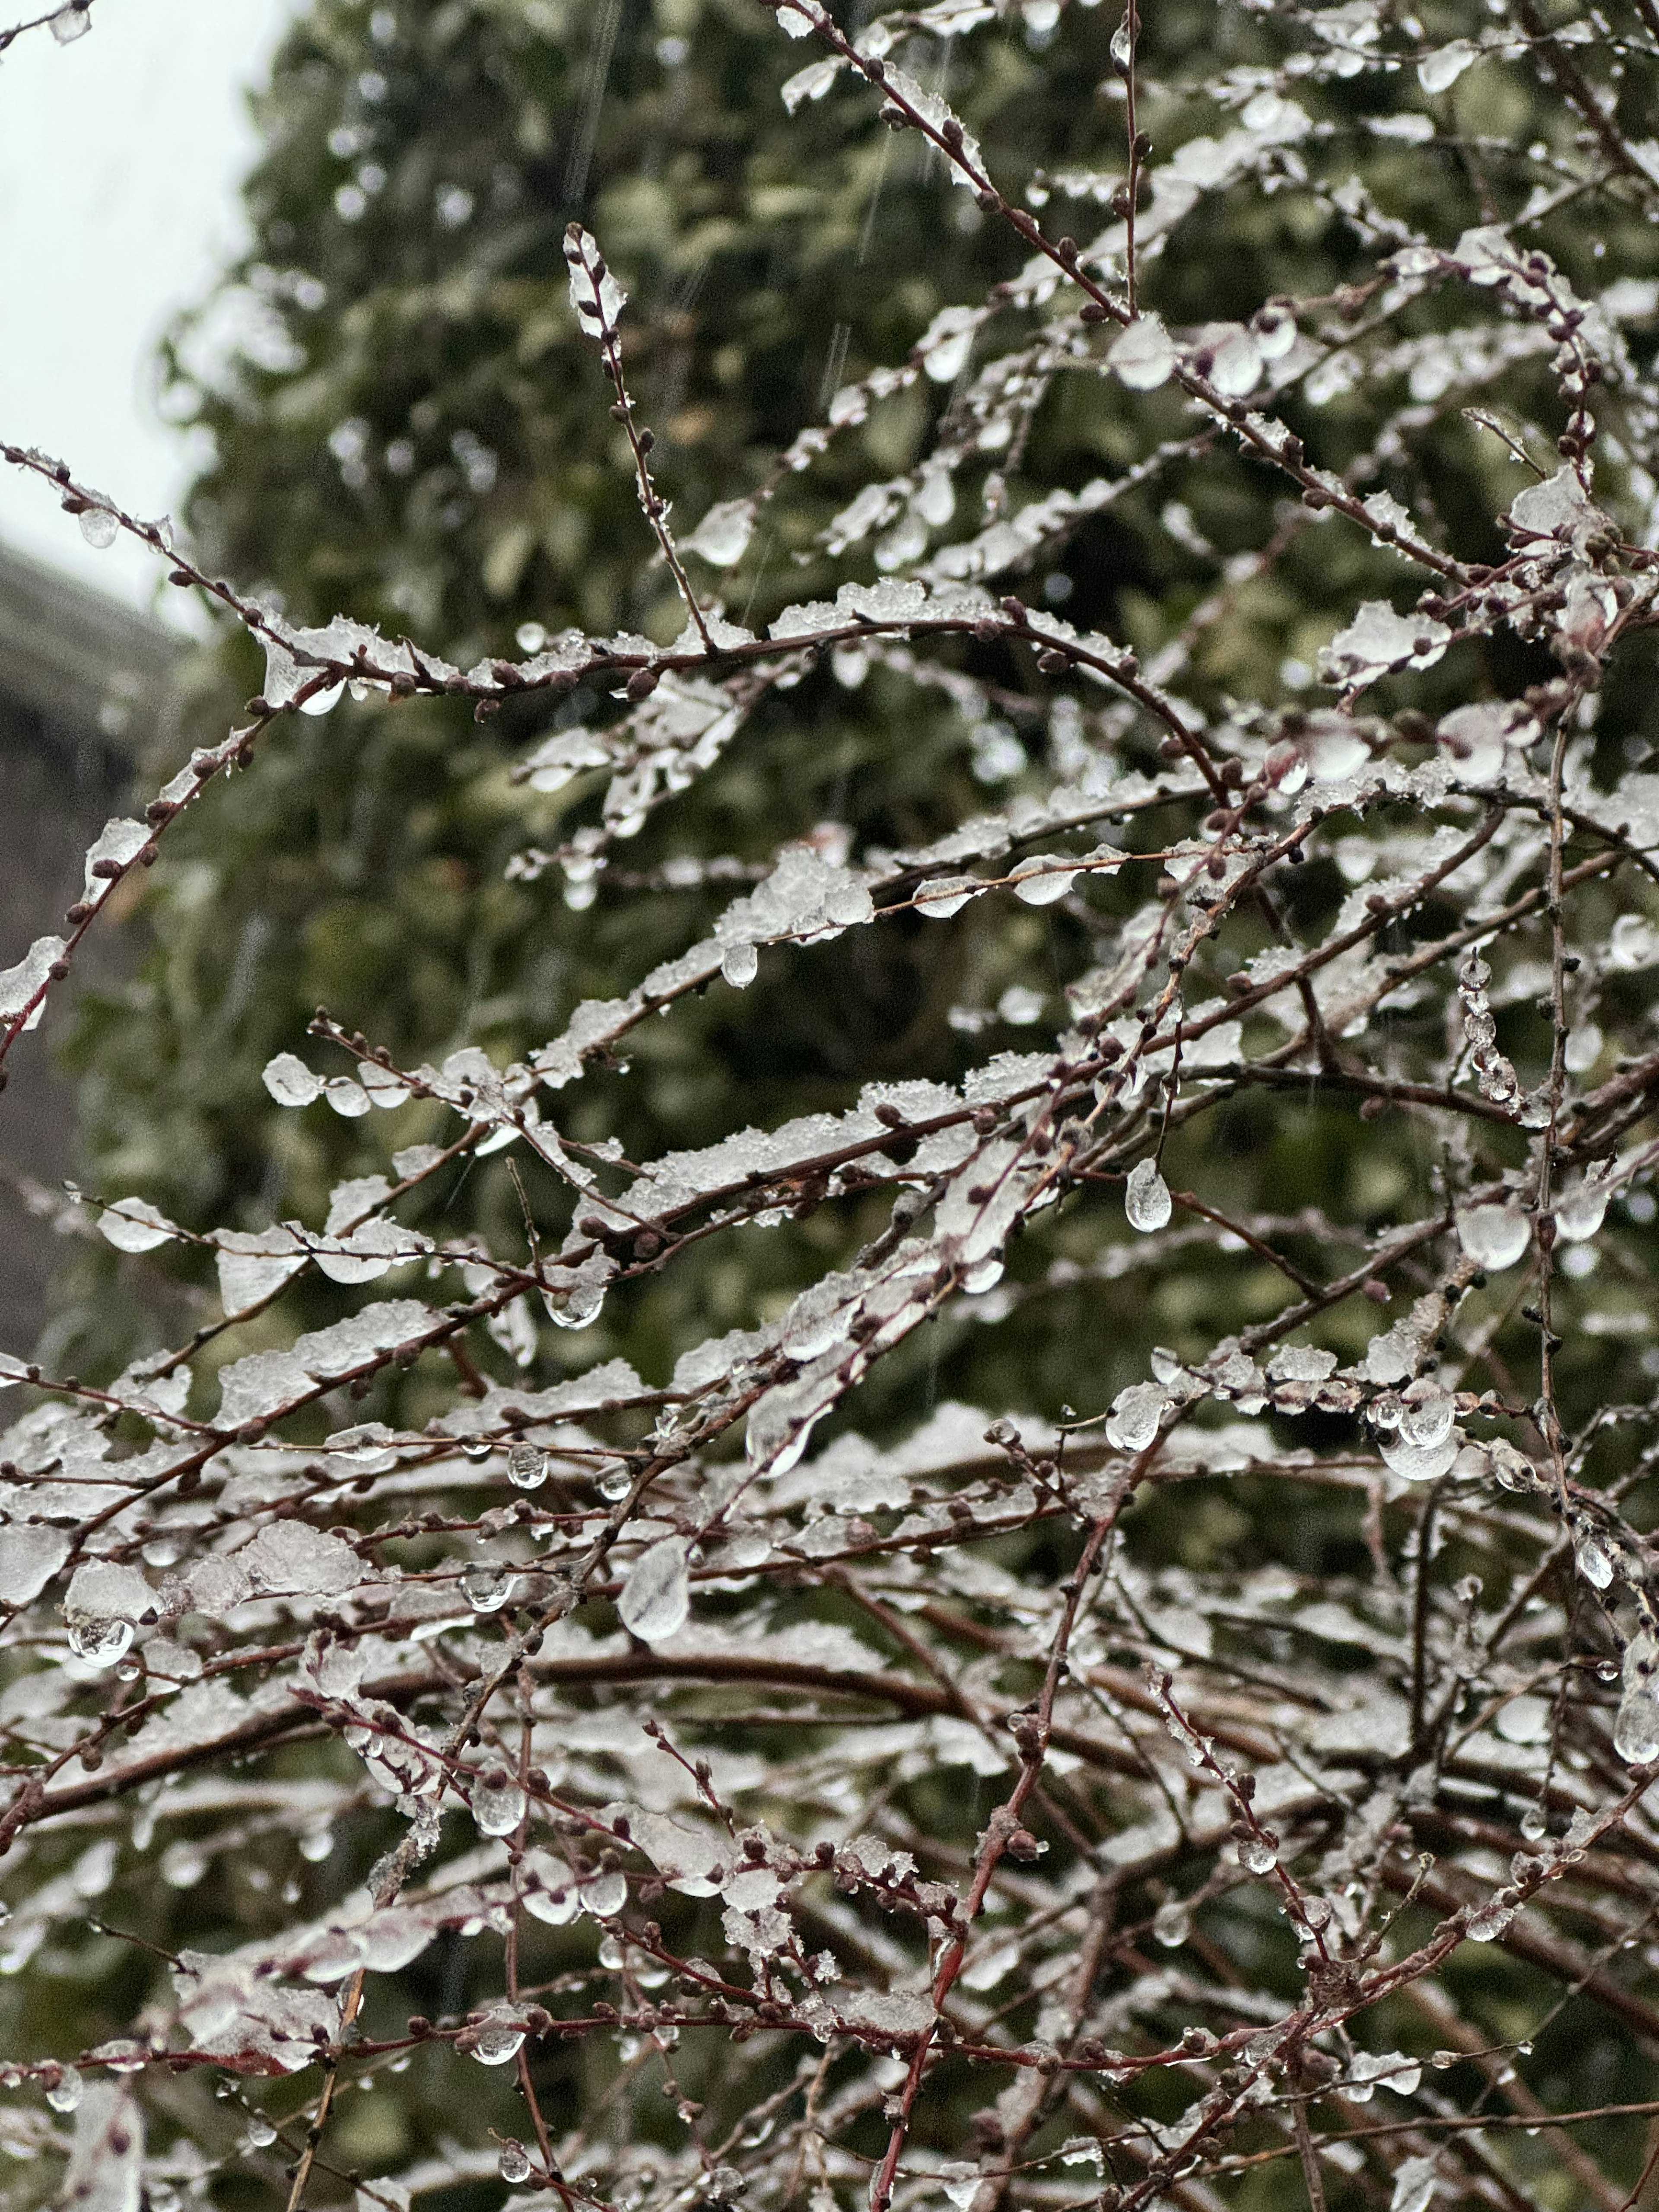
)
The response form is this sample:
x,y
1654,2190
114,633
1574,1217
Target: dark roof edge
x,y
80,660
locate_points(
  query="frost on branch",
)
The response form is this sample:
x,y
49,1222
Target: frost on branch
x,y
957,1505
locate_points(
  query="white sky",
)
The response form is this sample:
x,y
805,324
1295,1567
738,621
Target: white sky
x,y
120,159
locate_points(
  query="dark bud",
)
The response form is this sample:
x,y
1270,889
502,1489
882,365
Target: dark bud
x,y
78,912
107,870
1092,311
642,684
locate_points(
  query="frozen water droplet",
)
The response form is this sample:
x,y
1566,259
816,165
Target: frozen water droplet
x,y
526,1466
1257,1854
1143,356
1414,2177
99,1642
1426,1414
722,537
1135,1414
71,22
99,527
290,1081
1439,71
739,965
1420,1462
557,1907
1172,1923
183,1865
1488,1923
941,896
1042,879
64,2094
497,2041
1579,1214
1636,1731
657,1595
613,1484
605,1894
1494,1236
1595,1561
1533,1823
1146,1204
514,2161
498,1803
1121,50
260,2134
316,1844
487,1589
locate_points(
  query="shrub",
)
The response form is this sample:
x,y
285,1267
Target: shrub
x,y
1041,1624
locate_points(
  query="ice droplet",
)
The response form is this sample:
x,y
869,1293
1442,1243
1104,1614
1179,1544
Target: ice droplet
x,y
65,2093
1533,1823
497,2041
1257,1854
557,1908
514,2161
290,1081
260,2134
1488,1923
722,537
739,965
1143,357
99,527
1427,1412
498,1803
605,1895
487,1589
1136,1412
1636,1731
1172,1923
1579,1214
1594,1562
1420,1462
657,1595
1042,879
1494,1236
72,22
526,1466
99,1642
1146,1205
1121,50
1414,2185
133,1224
1439,71
941,896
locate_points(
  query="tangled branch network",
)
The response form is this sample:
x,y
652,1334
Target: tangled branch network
x,y
929,1814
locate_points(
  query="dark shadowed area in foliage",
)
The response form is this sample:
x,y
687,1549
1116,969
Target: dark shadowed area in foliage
x,y
863,1411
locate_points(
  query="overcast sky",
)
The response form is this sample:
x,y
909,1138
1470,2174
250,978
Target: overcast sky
x,y
120,159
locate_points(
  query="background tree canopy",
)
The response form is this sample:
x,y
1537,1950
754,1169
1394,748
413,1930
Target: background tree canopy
x,y
952,1507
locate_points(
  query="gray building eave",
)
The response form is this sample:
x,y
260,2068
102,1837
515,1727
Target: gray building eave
x,y
83,665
